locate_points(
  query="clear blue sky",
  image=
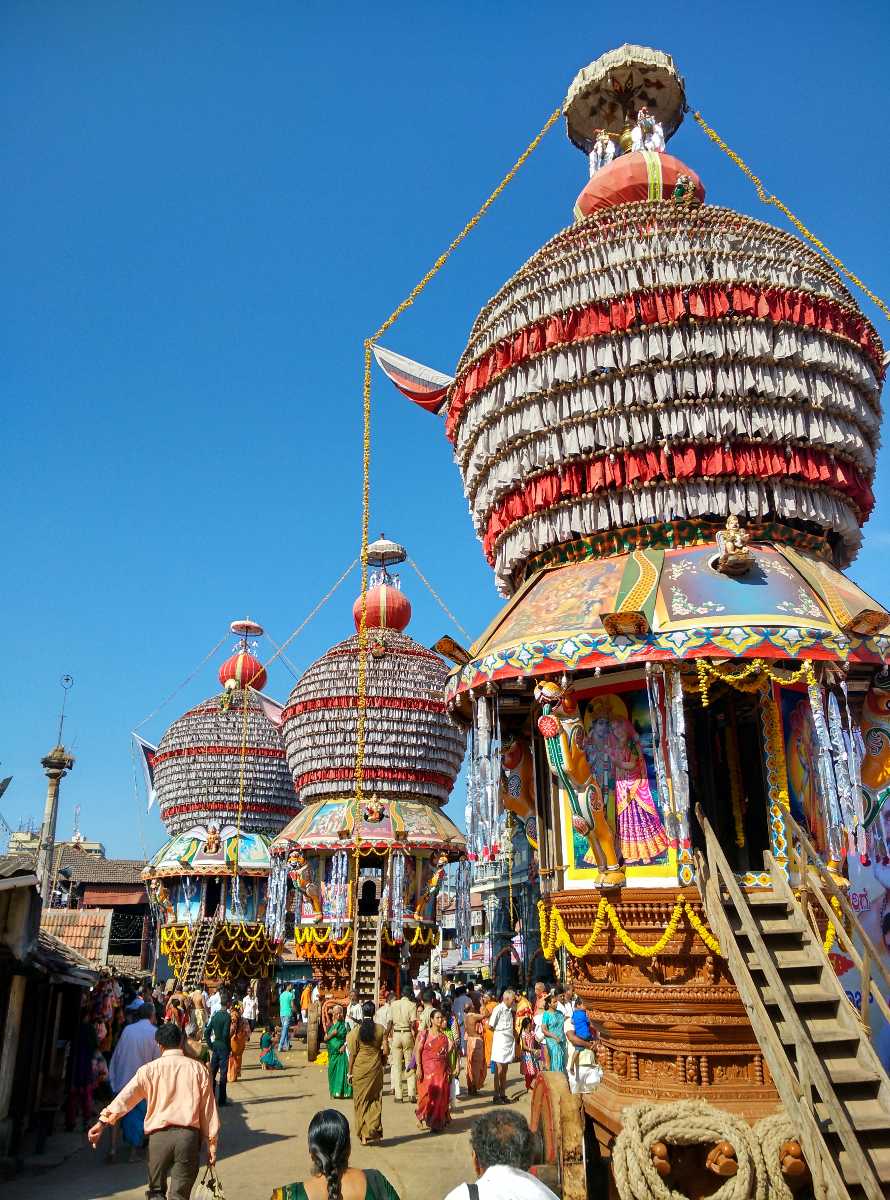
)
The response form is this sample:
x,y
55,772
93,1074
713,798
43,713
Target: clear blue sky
x,y
206,207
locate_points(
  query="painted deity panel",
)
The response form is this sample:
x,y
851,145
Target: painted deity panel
x,y
566,600
618,745
692,593
802,757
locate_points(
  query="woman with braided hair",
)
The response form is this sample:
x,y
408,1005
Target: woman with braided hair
x,y
332,1177
368,1047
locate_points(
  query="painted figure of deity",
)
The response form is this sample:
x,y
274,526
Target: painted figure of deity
x,y
563,733
640,830
518,784
304,881
435,869
648,133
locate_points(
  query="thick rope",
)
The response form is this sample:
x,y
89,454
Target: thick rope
x,y
366,437
684,1123
769,198
772,1132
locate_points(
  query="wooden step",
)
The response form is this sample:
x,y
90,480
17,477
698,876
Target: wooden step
x,y
864,1115
765,898
770,926
802,993
879,1158
821,1032
847,1071
788,960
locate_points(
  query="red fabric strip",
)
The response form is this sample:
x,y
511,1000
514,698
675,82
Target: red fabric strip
x,y
745,460
404,703
371,773
193,751
708,302
225,806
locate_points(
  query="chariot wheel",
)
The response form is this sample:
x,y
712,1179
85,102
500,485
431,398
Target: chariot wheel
x,y
558,1117
313,1032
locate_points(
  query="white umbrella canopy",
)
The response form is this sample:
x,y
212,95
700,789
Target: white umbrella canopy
x,y
615,85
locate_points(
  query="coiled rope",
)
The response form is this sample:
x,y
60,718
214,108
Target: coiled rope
x,y
684,1123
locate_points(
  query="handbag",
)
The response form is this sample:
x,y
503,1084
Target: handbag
x,y
209,1188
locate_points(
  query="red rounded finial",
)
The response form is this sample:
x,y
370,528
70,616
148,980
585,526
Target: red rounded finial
x,y
387,608
242,669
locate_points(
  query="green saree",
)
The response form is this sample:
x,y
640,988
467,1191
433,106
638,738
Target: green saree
x,y
338,1062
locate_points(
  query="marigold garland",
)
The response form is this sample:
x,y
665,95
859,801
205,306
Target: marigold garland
x,y
830,932
745,677
554,934
312,935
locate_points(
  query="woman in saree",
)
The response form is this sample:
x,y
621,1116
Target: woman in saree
x,y
238,1039
489,1004
367,1046
529,1052
553,1029
475,1074
523,1010
269,1060
433,1054
338,1059
332,1177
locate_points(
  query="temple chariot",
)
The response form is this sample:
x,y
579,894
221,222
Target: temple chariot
x,y
666,424
224,791
365,873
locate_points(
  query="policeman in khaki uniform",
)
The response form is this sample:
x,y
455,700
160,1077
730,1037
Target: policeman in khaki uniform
x,y
402,1014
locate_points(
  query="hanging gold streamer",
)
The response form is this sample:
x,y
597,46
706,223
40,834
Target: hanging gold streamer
x,y
768,198
366,437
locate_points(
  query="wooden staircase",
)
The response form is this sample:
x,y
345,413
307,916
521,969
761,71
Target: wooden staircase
x,y
828,1076
366,958
202,941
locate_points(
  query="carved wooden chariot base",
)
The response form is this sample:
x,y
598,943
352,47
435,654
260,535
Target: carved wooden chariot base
x,y
671,1027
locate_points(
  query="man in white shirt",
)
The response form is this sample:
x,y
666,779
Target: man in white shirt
x,y
503,1148
214,1002
503,1044
136,1047
383,1015
353,1010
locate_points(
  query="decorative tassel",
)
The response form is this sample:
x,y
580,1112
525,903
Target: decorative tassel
x,y
825,772
397,916
338,893
276,898
679,762
462,906
664,795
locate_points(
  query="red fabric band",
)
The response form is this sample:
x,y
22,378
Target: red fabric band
x,y
664,307
681,463
225,806
405,703
383,774
219,751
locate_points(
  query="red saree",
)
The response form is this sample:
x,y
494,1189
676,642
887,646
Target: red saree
x,y
434,1089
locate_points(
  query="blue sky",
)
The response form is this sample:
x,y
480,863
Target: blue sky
x,y
208,206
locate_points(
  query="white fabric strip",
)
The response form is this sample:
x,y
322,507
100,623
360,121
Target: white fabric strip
x,y
751,500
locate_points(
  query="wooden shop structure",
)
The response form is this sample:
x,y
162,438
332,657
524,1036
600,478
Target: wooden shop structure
x,y
224,792
366,875
666,423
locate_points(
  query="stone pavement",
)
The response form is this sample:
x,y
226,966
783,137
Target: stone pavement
x,y
263,1143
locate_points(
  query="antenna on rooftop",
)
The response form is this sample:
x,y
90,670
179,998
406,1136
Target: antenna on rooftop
x,y
67,682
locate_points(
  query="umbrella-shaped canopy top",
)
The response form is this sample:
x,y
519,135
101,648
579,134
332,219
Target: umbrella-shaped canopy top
x,y
616,85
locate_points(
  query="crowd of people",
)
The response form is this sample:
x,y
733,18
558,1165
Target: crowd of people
x,y
160,1060
442,1041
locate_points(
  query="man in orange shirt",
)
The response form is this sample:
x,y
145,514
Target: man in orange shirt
x,y
181,1114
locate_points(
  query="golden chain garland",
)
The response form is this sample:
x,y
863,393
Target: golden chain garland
x,y
555,936
366,437
768,198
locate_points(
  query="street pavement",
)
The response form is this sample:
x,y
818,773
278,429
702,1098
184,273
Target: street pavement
x,y
263,1143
